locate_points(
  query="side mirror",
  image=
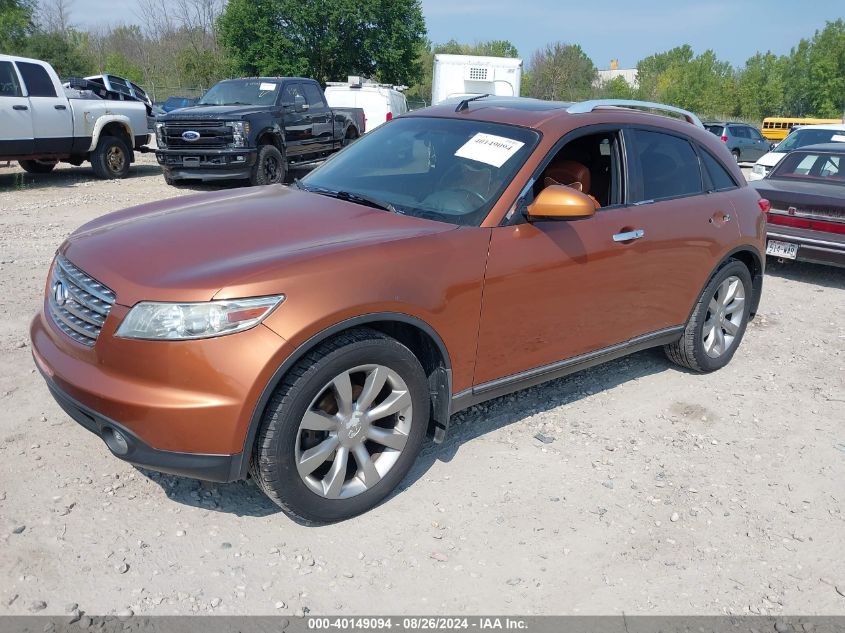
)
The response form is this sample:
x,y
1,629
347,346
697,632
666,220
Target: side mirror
x,y
559,202
299,104
772,146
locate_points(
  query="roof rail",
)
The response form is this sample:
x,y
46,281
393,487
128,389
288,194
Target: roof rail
x,y
588,106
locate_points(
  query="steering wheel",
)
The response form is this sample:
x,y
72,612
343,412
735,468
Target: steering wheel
x,y
454,201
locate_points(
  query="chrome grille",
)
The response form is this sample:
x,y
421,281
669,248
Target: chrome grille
x,y
79,304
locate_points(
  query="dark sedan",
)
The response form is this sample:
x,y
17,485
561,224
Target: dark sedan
x,y
807,195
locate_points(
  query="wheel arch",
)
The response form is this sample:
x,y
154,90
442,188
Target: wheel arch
x,y
271,136
417,335
113,125
755,263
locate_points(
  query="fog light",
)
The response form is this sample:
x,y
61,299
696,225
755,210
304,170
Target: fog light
x,y
116,441
239,159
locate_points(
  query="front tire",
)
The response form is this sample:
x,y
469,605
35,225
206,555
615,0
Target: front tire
x,y
37,166
111,158
718,321
269,168
343,428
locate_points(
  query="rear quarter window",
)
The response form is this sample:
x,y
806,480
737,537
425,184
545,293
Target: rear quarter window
x,y
669,166
720,178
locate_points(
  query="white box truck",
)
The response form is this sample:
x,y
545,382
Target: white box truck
x,y
468,75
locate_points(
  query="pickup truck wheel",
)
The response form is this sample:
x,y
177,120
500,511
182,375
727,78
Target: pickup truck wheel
x,y
343,428
111,158
269,166
168,177
37,166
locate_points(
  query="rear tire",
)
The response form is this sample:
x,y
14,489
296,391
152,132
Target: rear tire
x,y
718,321
736,155
368,438
37,166
111,158
269,168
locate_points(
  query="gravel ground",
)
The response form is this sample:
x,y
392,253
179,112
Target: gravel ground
x,y
630,487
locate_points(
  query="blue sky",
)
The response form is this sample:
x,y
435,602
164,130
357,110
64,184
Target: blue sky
x,y
624,29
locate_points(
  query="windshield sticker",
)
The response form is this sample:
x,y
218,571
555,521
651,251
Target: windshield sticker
x,y
838,137
489,149
266,85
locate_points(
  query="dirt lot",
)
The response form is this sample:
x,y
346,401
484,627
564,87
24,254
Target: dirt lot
x,y
661,492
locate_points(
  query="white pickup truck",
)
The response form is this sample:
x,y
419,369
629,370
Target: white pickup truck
x,y
42,123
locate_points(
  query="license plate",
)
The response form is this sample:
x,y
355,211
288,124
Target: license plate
x,y
782,249
191,161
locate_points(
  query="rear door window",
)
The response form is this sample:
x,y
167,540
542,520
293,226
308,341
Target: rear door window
x,y
314,96
668,167
36,80
9,84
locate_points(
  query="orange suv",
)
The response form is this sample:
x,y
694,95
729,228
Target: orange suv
x,y
312,335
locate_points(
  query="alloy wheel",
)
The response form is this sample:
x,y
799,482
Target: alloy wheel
x,y
354,431
725,313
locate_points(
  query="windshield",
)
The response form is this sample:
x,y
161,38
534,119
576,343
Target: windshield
x,y
812,166
442,169
242,92
808,136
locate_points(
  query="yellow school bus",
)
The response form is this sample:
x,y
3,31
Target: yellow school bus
x,y
776,128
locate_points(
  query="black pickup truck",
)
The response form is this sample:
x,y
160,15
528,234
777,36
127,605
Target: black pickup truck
x,y
255,129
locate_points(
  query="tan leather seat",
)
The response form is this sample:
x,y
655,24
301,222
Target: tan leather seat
x,y
570,173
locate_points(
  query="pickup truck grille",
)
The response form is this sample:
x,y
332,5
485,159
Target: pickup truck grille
x,y
79,304
212,134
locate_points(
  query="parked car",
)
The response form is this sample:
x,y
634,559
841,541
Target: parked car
x,y
174,103
799,137
313,334
744,141
42,123
253,129
806,190
380,102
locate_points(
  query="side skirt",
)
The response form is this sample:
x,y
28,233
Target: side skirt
x,y
523,380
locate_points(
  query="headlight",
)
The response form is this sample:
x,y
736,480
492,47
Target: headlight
x,y
161,140
240,130
185,321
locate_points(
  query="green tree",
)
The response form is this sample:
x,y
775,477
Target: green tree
x,y
760,87
17,23
64,51
617,88
651,68
325,39
561,72
827,70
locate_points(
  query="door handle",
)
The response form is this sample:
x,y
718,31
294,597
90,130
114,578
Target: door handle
x,y
627,236
60,107
20,107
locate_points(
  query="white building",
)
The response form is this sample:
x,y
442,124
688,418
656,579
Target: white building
x,y
628,74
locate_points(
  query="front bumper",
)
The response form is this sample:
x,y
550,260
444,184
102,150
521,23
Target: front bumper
x,y
183,407
816,247
127,446
207,164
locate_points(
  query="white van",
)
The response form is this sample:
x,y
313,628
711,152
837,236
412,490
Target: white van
x,y
798,137
380,102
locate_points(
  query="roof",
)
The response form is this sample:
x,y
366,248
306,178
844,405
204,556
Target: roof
x,y
537,113
838,148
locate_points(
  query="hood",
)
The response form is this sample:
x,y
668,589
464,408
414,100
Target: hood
x,y
200,112
189,248
771,159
